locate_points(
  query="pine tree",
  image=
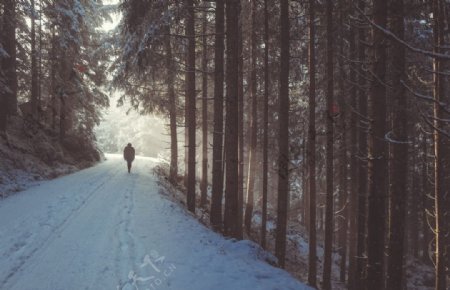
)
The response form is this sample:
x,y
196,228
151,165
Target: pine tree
x,y
253,126
190,103
399,158
329,148
231,221
377,153
283,137
204,183
172,107
442,158
9,91
217,162
265,125
241,116
34,67
312,263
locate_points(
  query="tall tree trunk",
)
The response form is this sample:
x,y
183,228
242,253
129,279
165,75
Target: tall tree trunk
x,y
266,126
253,128
377,152
441,145
353,199
66,65
204,184
312,259
329,149
240,126
173,175
426,231
34,68
62,114
399,158
39,77
414,207
283,136
305,185
343,204
191,103
231,222
217,162
53,84
3,111
347,122
3,106
65,70
3,91
8,104
363,164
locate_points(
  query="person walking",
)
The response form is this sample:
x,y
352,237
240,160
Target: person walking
x,y
128,155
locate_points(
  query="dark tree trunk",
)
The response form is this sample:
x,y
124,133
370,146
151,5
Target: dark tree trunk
x,y
66,66
204,184
231,222
173,175
3,111
343,205
266,126
253,128
34,68
399,158
191,100
426,230
217,162
441,145
62,114
377,152
283,136
39,77
3,92
414,207
363,164
305,184
312,259
353,199
240,126
8,99
347,123
53,91
329,149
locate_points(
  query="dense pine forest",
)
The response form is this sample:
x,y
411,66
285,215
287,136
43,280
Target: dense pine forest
x,y
326,118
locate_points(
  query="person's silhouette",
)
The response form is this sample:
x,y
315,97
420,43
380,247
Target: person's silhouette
x,y
128,155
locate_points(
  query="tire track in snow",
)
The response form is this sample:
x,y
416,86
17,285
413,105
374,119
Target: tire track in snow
x,y
25,256
125,258
16,242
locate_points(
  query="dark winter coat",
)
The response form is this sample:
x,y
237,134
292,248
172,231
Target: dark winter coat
x,y
128,153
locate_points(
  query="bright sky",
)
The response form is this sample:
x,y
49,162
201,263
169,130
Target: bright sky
x,y
116,16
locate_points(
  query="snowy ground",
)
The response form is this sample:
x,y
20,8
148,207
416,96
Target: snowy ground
x,y
102,228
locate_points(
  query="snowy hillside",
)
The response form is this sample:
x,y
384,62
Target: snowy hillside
x,y
102,228
28,155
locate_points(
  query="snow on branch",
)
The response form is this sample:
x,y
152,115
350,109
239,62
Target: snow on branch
x,y
3,53
388,137
407,45
439,130
442,105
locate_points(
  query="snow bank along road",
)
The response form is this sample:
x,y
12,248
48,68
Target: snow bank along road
x,y
102,228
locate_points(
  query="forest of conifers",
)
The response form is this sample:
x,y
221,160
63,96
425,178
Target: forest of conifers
x,y
331,115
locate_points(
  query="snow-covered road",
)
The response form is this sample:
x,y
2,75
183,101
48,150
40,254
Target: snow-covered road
x,y
102,228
